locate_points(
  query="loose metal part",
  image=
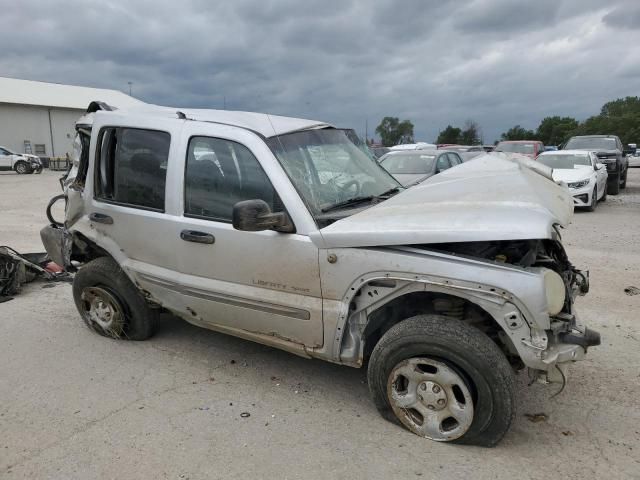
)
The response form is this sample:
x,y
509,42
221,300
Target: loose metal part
x,y
430,399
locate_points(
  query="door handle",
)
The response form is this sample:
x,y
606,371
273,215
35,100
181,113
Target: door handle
x,y
197,237
101,218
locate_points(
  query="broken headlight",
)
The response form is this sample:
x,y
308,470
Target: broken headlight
x,y
582,183
555,291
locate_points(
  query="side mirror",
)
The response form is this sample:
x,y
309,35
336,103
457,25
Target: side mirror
x,y
599,166
255,216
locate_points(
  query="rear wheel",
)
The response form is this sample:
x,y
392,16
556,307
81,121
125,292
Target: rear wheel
x,y
110,304
22,168
444,380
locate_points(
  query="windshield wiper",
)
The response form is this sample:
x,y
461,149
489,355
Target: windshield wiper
x,y
356,200
389,192
346,203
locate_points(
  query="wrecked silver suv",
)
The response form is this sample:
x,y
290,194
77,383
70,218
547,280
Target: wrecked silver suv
x,y
282,231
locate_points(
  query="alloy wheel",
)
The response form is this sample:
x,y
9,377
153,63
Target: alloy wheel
x,y
430,398
103,311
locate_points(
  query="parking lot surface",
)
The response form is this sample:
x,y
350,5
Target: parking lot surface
x,y
77,405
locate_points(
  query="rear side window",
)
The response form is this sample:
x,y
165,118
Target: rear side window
x,y
220,173
131,167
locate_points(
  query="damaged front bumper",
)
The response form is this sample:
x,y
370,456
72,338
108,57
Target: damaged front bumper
x,y
567,342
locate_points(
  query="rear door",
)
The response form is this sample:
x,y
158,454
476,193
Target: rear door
x,y
265,282
130,194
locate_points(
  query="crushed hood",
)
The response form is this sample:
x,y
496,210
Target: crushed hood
x,y
491,197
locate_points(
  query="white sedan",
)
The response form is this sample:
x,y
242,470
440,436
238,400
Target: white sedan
x,y
580,170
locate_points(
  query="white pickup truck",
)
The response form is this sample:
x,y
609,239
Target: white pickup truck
x,y
282,231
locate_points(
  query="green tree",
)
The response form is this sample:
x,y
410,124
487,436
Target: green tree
x,y
621,107
449,135
556,130
392,131
471,133
518,133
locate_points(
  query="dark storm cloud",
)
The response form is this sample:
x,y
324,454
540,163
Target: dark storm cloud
x,y
626,16
499,62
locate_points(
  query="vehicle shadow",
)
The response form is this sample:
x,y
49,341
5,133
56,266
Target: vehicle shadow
x,y
258,363
339,387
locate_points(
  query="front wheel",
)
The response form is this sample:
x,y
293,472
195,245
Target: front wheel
x,y
22,168
623,182
594,200
444,380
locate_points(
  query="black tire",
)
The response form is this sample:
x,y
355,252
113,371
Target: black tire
x,y
22,167
623,183
138,320
606,190
614,186
464,349
594,200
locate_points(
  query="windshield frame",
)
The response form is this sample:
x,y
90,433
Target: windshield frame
x,y
276,145
557,156
430,163
579,140
516,144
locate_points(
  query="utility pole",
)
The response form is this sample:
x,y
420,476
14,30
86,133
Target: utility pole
x,y
130,83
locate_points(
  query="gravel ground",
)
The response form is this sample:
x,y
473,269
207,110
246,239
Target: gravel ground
x,y
76,405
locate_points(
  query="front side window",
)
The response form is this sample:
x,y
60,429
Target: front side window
x,y
132,167
219,173
328,169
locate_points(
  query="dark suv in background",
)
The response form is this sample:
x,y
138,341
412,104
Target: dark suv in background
x,y
610,151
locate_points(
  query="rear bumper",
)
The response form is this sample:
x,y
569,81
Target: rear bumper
x,y
58,242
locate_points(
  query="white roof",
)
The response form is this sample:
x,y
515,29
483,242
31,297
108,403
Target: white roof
x,y
414,146
29,92
264,124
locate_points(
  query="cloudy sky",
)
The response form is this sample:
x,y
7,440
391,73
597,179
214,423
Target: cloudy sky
x,y
435,62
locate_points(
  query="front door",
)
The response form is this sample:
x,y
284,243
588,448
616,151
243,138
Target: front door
x,y
5,160
601,176
265,282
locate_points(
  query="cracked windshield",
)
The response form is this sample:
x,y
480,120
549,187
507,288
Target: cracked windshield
x,y
328,169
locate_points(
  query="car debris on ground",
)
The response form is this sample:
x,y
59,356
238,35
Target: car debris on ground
x,y
17,269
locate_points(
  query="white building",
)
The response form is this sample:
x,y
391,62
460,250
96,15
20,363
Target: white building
x,y
40,116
